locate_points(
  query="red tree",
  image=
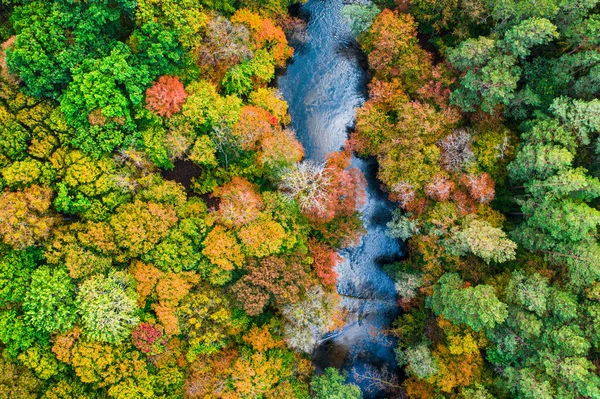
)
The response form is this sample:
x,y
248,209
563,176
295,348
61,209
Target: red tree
x,y
481,187
166,96
325,260
440,188
148,338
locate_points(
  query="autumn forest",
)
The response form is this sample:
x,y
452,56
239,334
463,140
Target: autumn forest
x,y
164,234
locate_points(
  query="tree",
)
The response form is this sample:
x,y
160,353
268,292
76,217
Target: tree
x,y
477,307
139,226
306,321
43,55
148,339
157,49
325,191
393,50
360,16
208,322
123,373
481,187
278,280
225,44
325,260
17,381
107,306
331,385
456,150
491,68
482,239
262,237
240,202
166,96
419,361
26,217
97,104
205,108
223,250
16,268
49,303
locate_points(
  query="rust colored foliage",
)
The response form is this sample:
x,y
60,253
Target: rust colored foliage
x,y
240,202
208,373
166,96
440,188
281,280
464,203
325,260
168,288
481,187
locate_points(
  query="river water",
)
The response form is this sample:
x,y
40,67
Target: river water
x,y
323,85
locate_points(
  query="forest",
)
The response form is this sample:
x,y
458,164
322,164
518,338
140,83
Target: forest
x,y
122,279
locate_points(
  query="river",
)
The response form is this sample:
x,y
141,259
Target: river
x,y
323,85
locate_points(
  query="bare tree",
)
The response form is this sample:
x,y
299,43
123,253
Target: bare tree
x,y
375,380
309,184
456,150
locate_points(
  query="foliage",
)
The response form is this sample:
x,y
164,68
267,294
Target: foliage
x,y
166,96
478,307
331,385
26,217
272,279
107,307
49,303
360,16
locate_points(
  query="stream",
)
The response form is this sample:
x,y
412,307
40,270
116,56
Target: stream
x,y
323,85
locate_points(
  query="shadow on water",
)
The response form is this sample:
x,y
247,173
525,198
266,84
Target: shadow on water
x,y
323,85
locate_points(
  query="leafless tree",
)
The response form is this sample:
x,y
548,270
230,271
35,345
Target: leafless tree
x,y
456,150
379,380
308,183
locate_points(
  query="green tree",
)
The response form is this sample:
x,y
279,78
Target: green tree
x,y
54,37
360,16
49,303
97,104
16,268
477,307
484,240
331,385
107,306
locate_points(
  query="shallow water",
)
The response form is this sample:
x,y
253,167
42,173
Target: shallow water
x,y
323,86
